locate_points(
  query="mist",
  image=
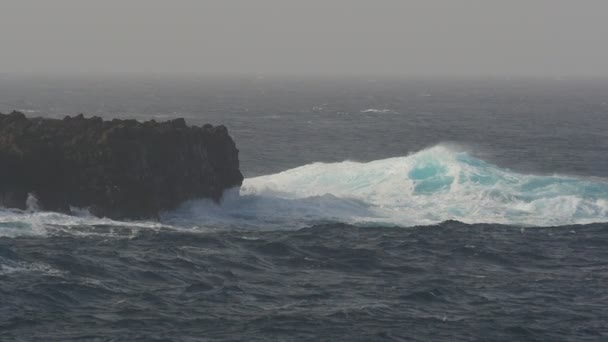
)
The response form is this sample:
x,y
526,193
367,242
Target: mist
x,y
554,38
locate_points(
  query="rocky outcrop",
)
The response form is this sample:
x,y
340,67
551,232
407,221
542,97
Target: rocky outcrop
x,y
116,169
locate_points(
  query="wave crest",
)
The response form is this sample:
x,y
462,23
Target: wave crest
x,y
428,187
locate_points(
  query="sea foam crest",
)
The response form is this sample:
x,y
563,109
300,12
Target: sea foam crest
x,y
40,223
431,186
379,111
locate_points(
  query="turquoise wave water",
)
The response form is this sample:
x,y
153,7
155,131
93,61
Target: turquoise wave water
x,y
441,183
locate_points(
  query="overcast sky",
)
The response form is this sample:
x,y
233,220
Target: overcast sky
x,y
394,37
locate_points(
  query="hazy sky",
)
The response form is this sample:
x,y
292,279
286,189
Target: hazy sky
x,y
400,37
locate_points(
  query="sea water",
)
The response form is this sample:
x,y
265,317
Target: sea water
x,y
372,209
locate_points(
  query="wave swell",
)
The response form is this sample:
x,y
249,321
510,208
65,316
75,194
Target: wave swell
x,y
428,187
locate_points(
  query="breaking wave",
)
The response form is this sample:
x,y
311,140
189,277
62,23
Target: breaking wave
x,y
434,185
428,187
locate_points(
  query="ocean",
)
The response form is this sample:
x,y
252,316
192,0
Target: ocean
x,y
373,209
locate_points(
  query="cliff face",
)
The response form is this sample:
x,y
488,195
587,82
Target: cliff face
x,y
117,169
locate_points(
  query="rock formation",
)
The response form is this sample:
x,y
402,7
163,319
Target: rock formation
x,y
116,169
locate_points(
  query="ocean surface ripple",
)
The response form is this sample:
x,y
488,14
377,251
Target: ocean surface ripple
x,y
444,282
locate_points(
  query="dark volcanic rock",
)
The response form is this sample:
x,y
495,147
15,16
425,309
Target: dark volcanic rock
x,y
118,168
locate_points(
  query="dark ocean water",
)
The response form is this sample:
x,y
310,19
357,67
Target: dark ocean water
x,y
451,282
350,249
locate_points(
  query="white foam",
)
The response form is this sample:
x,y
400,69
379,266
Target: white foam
x,y
380,111
28,111
431,186
39,223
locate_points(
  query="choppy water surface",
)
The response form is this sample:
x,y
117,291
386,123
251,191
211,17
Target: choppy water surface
x,y
346,227
332,282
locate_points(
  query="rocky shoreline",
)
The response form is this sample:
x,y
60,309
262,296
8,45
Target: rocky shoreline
x,y
117,169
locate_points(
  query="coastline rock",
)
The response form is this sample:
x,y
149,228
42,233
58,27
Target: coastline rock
x,y
117,169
